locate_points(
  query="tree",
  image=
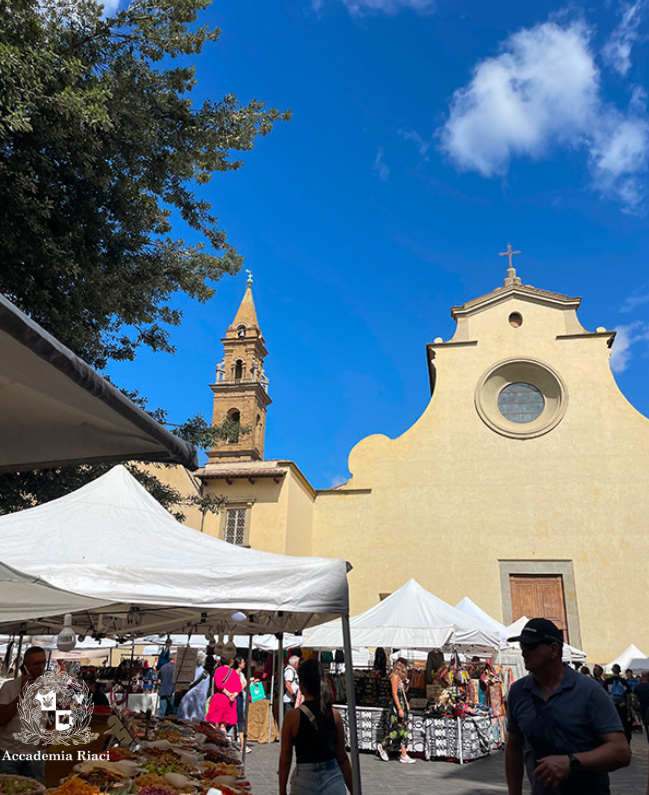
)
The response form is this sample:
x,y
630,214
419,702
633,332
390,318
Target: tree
x,y
100,145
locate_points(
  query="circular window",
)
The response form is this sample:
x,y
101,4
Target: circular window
x,y
521,398
521,402
516,319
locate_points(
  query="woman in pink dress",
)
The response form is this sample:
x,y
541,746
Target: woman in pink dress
x,y
223,704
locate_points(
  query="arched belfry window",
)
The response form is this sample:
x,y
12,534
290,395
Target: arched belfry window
x,y
234,420
238,370
241,331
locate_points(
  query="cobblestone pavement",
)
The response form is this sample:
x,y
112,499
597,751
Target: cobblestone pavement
x,y
483,776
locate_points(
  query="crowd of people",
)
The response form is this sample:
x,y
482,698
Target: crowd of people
x,y
630,694
566,729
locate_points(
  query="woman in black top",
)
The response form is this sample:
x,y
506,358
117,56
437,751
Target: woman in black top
x,y
316,732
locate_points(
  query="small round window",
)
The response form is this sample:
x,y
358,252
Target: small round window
x,y
520,402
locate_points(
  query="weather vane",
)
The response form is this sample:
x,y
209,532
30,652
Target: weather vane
x,y
509,253
249,279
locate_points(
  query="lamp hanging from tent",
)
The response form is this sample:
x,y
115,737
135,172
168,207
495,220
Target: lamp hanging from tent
x,y
66,639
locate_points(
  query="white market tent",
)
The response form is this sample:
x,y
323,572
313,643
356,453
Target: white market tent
x,y
23,596
410,618
471,609
56,410
112,541
631,658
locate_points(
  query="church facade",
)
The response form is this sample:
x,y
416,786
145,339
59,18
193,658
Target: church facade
x,y
524,484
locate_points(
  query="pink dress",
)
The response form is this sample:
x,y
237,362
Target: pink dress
x,y
221,709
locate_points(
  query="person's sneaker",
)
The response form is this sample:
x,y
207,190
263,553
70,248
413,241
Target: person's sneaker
x,y
406,760
382,753
248,749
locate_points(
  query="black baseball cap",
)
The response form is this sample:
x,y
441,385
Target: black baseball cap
x,y
539,630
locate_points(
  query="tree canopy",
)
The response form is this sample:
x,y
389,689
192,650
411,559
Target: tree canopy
x,y
102,151
100,143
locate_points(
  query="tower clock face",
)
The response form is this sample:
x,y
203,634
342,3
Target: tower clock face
x,y
521,398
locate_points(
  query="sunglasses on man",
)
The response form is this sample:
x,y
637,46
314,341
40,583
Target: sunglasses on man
x,y
536,644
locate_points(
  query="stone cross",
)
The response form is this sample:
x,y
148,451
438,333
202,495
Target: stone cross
x,y
509,253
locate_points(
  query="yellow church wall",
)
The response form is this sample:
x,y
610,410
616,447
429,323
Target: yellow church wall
x,y
299,514
451,497
268,507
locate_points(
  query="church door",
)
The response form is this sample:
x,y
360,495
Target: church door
x,y
539,596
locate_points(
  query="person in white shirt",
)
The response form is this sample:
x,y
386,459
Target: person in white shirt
x,y
34,662
291,685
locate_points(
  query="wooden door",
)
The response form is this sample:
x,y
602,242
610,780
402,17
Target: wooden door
x,y
539,596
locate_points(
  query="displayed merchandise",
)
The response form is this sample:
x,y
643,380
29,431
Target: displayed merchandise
x,y
457,710
162,756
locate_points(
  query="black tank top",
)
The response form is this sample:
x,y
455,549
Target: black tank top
x,y
311,744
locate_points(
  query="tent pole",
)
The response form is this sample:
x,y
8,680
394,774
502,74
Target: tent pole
x,y
272,698
20,648
280,680
246,704
351,705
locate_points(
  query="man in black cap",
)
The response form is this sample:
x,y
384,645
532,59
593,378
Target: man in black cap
x,y
563,728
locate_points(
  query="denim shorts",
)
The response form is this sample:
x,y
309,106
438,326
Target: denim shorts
x,y
318,778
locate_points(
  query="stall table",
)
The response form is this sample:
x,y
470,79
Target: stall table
x,y
434,737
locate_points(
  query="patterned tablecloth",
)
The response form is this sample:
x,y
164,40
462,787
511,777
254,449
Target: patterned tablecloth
x,y
434,737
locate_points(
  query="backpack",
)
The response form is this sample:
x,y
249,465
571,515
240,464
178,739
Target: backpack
x,y
617,691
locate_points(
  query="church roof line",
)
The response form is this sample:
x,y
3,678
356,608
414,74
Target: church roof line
x,y
525,291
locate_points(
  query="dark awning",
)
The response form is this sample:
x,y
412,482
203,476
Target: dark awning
x,y
55,410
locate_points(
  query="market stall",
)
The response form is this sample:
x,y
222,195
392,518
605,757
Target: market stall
x,y
112,541
444,722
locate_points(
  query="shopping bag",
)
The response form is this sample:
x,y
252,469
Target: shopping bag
x,y
257,692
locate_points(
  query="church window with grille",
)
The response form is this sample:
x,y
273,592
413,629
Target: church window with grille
x,y
235,526
521,402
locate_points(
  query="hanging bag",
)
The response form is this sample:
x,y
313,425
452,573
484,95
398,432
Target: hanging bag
x,y
257,692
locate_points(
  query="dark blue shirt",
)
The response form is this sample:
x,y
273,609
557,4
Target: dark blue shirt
x,y
571,720
166,676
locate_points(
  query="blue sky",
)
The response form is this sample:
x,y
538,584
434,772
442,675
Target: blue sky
x,y
425,136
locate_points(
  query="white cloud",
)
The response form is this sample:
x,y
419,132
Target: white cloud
x,y
338,480
617,51
360,7
381,169
542,92
422,145
627,336
633,302
618,152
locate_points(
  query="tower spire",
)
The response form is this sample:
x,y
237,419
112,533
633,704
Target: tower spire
x,y
246,314
241,387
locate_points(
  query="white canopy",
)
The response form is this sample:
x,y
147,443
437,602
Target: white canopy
x,y
412,618
56,410
23,596
631,658
471,609
112,541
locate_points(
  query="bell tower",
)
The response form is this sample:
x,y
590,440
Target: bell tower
x,y
241,388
